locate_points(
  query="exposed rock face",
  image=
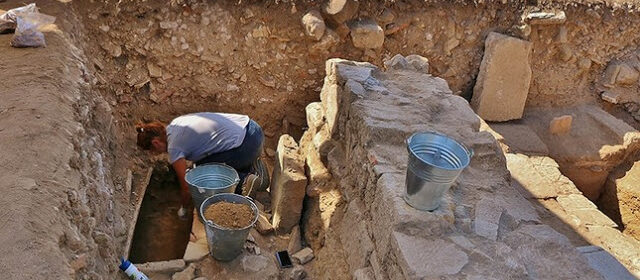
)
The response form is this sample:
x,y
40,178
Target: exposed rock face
x,y
503,82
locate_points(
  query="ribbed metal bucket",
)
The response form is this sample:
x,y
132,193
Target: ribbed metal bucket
x,y
435,161
210,179
226,244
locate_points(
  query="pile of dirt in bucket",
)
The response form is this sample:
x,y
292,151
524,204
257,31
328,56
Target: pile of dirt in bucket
x,y
229,215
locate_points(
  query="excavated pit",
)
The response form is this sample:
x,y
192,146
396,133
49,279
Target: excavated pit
x,y
160,235
157,60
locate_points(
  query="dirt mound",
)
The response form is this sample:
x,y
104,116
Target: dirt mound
x,y
229,215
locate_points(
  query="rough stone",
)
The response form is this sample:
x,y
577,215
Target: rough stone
x,y
546,18
503,81
187,274
340,11
396,62
560,125
154,70
627,75
79,262
355,237
329,40
162,267
417,257
195,252
605,263
487,219
253,263
363,274
611,74
313,24
318,175
419,63
367,34
303,256
295,240
263,226
297,273
288,185
315,116
610,97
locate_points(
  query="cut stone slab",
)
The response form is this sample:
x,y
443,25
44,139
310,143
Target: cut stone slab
x,y
605,263
288,185
520,138
367,34
195,252
253,263
560,125
313,24
162,267
503,81
187,274
610,97
418,257
303,256
583,209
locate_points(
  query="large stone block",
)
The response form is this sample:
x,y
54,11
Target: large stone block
x,y
355,237
288,185
339,11
313,24
422,258
503,81
367,34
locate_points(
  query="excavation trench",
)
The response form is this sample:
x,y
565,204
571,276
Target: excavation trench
x,y
160,235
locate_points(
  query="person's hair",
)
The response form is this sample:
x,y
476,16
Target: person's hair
x,y
148,131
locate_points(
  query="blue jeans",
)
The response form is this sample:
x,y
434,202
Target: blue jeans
x,y
242,157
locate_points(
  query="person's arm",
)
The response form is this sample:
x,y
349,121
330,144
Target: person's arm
x,y
180,166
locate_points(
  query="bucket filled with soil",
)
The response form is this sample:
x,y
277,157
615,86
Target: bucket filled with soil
x,y
228,218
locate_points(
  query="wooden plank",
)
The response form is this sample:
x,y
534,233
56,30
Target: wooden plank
x,y
132,224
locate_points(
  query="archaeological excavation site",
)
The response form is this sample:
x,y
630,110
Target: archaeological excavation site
x,y
343,139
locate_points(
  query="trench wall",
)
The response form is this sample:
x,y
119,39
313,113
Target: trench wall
x,y
60,217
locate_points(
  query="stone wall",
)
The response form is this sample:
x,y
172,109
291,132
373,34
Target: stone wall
x,y
484,228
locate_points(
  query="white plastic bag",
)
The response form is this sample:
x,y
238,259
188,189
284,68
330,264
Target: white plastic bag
x,y
28,32
8,19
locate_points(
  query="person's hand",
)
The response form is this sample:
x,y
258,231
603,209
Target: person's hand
x,y
182,213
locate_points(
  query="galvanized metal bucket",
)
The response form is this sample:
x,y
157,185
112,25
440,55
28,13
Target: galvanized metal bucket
x,y
226,244
210,179
435,161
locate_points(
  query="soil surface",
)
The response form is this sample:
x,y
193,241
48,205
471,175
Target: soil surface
x,y
230,215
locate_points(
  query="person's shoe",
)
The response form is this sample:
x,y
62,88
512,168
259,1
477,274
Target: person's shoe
x,y
260,169
250,182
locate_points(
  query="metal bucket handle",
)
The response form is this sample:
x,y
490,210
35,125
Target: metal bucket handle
x,y
469,151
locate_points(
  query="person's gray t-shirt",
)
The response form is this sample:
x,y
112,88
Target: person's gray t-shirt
x,y
194,136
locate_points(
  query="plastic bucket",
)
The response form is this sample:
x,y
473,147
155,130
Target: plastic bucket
x,y
226,244
210,179
435,161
